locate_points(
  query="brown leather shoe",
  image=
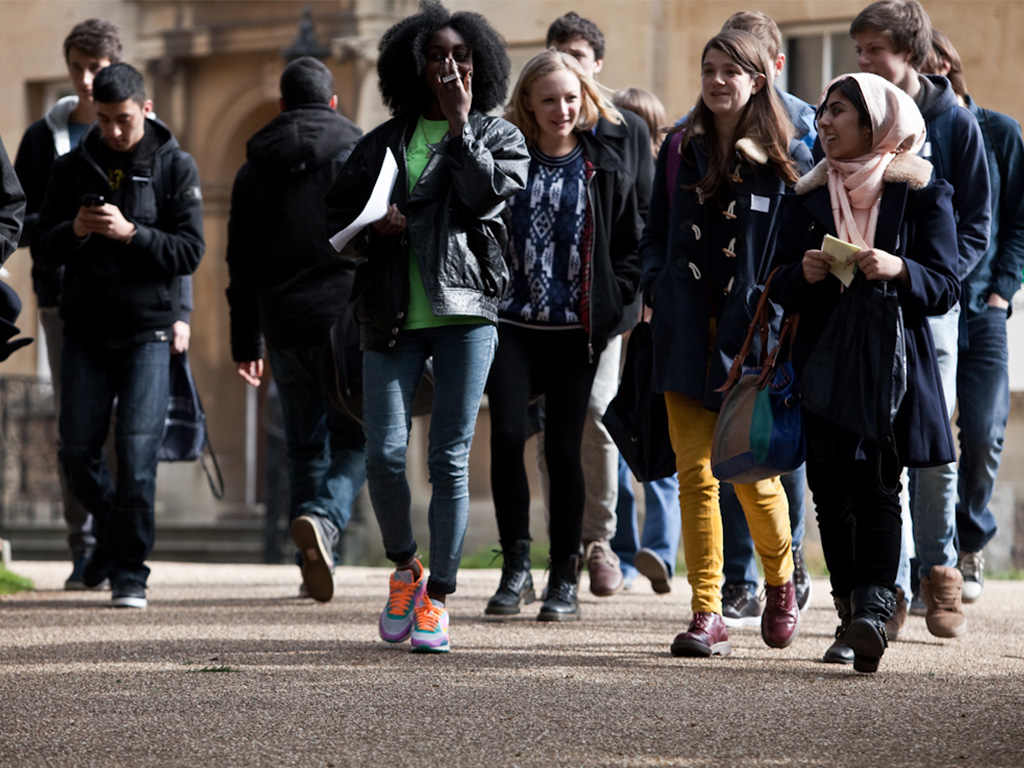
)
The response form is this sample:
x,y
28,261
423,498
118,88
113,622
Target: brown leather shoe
x,y
899,616
781,615
941,590
706,636
603,567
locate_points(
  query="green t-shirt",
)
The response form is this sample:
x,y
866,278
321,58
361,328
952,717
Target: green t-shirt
x,y
420,314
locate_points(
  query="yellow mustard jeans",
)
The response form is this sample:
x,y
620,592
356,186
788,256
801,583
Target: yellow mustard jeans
x,y
691,428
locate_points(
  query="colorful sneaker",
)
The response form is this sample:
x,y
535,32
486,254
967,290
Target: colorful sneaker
x,y
430,628
404,594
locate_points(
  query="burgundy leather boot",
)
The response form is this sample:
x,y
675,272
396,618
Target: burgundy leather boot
x,y
706,636
781,615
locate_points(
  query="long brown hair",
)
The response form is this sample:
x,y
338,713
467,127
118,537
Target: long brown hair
x,y
763,120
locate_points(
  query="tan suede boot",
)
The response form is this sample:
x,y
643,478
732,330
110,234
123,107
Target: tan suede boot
x,y
941,590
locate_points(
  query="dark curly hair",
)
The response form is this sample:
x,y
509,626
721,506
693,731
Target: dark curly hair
x,y
401,63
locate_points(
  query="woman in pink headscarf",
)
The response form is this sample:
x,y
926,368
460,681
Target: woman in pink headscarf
x,y
871,190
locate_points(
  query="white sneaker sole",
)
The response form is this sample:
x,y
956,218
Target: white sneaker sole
x,y
128,602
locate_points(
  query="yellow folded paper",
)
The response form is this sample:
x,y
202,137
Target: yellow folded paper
x,y
840,250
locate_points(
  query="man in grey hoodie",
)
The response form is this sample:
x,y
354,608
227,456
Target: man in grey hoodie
x,y
91,46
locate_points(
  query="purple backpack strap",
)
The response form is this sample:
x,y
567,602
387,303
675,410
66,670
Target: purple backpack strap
x,y
672,165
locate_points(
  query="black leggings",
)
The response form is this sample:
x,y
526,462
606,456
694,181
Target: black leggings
x,y
859,520
529,363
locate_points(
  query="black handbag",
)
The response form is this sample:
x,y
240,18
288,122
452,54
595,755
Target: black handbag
x,y
343,372
185,437
636,417
856,376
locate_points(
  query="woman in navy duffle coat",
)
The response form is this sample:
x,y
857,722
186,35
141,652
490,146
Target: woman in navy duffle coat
x,y
706,239
907,233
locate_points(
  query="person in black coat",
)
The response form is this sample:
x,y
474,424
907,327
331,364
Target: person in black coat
x,y
287,288
123,215
573,260
874,192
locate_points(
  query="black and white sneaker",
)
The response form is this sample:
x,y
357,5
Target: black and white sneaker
x,y
312,534
801,579
740,606
128,596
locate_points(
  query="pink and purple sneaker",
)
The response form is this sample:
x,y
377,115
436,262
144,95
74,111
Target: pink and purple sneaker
x,y
430,628
405,593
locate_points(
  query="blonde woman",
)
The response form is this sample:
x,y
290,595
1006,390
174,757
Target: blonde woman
x,y
572,256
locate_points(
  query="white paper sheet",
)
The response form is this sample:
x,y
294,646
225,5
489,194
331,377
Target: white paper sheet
x,y
376,207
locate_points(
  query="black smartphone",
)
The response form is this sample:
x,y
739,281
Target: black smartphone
x,y
92,200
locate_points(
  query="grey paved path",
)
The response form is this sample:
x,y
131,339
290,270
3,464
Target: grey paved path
x,y
311,685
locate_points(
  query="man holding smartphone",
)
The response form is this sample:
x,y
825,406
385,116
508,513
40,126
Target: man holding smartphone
x,y
124,259
91,46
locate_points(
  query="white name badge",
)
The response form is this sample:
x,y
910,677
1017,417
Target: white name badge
x,y
759,204
926,150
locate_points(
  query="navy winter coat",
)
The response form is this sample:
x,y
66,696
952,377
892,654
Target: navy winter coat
x,y
915,222
688,277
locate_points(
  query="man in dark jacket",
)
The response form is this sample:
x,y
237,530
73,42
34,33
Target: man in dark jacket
x,y
894,40
123,216
287,288
983,381
90,46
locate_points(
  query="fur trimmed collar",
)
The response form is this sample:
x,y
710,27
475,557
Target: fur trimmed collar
x,y
747,147
913,169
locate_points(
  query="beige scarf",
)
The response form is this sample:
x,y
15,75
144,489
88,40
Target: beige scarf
x,y
855,186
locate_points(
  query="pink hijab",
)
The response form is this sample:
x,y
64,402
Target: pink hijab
x,y
855,186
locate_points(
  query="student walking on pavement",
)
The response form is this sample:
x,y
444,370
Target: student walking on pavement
x,y
572,254
873,191
430,285
287,289
700,255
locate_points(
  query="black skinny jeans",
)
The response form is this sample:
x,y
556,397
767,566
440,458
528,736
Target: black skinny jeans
x,y
858,519
529,363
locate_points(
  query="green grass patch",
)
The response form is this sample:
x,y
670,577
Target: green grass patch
x,y
10,582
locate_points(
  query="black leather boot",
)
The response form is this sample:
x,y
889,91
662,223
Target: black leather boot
x,y
562,603
872,607
516,581
839,652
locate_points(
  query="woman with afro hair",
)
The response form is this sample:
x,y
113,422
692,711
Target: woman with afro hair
x,y
429,286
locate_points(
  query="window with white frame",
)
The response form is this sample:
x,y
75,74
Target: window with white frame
x,y
814,55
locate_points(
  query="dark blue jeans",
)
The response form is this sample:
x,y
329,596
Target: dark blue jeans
x,y
325,448
93,378
983,383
